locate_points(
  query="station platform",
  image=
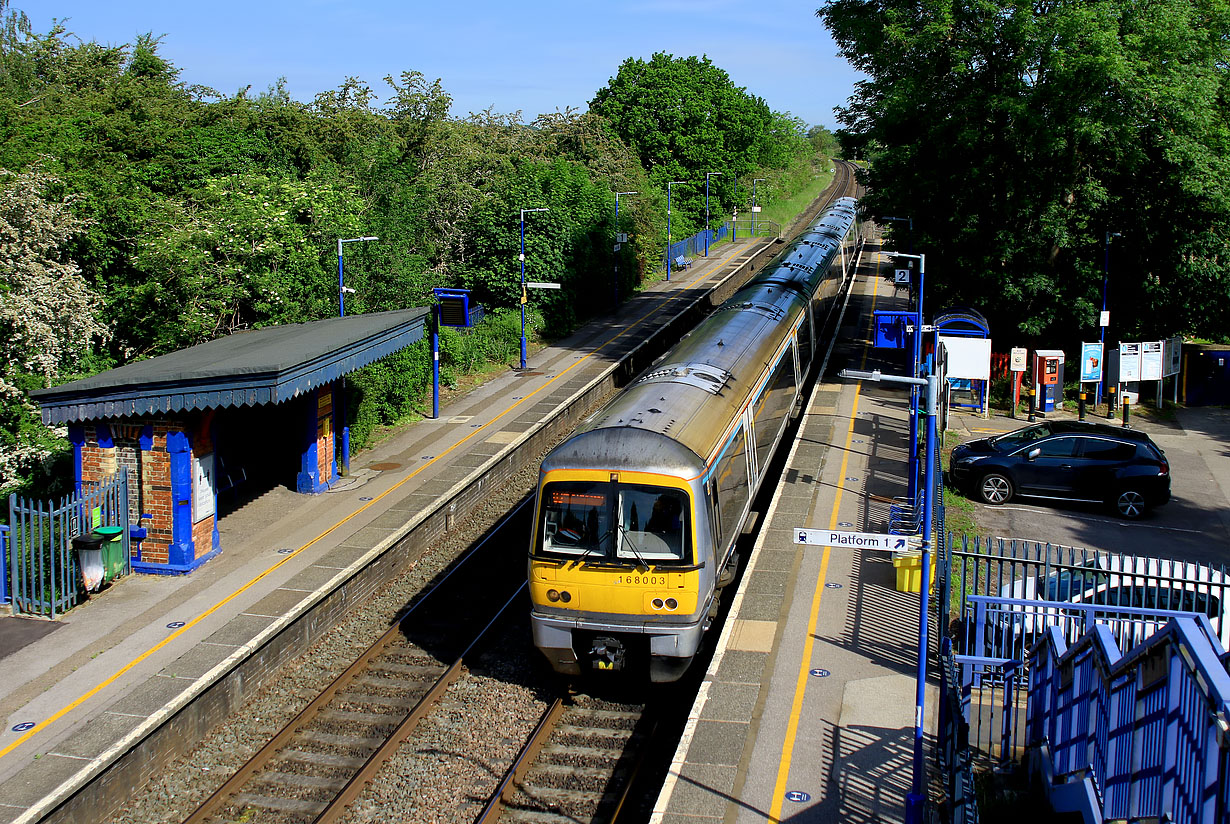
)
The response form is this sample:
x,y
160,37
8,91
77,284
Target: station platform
x,y
807,710
82,692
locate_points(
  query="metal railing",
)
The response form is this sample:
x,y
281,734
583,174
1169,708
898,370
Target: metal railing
x,y
1133,736
691,247
42,569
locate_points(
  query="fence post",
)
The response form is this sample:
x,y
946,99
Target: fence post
x,y
4,564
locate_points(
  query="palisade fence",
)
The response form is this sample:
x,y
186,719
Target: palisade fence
x,y
43,576
695,245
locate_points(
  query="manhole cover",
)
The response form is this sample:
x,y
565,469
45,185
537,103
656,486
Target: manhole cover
x,y
384,466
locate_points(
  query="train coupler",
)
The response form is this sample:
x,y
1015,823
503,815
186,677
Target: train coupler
x,y
608,654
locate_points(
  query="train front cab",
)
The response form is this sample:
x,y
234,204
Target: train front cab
x,y
615,575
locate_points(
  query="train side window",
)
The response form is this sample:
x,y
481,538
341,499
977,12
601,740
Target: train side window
x,y
733,488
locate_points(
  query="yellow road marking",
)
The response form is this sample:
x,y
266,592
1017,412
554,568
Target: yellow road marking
x,y
800,686
42,725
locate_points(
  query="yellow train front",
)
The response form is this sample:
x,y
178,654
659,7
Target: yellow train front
x,y
638,512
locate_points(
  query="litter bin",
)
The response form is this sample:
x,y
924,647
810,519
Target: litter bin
x,y
909,571
112,551
88,547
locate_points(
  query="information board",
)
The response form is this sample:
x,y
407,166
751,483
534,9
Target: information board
x,y
1129,362
1151,360
1017,358
1172,356
1091,362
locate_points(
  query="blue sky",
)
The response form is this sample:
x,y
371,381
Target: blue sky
x,y
530,56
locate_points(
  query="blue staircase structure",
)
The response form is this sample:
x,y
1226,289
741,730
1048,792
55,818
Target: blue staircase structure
x,y
1136,736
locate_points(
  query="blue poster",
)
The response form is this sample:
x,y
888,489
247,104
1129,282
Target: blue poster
x,y
1091,363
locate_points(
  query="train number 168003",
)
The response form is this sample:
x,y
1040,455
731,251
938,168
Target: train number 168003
x,y
644,580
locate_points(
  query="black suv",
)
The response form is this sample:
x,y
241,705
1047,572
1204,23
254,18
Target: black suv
x,y
1072,460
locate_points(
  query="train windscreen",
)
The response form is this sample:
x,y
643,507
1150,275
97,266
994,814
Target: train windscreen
x,y
615,523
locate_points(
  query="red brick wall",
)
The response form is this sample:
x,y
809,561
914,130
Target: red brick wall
x,y
324,432
150,490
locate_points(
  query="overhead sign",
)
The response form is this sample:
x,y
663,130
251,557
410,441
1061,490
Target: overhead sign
x,y
534,284
1018,358
1091,362
1172,357
1129,362
860,540
1151,360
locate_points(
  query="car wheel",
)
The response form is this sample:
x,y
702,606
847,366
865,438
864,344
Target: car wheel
x,y
995,488
1130,504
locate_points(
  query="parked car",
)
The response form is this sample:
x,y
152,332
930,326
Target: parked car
x,y
1069,460
1113,581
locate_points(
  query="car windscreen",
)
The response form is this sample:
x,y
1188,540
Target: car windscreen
x,y
598,521
1020,437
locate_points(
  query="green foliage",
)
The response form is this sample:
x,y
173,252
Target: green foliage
x,y
1018,136
686,118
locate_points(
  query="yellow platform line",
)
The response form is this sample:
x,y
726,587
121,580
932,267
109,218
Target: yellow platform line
x,y
800,686
42,725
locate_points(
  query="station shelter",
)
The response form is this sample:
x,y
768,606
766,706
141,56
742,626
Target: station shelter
x,y
261,407
966,337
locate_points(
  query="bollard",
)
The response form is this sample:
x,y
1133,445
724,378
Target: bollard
x,y
1080,407
1126,404
1030,392
1110,402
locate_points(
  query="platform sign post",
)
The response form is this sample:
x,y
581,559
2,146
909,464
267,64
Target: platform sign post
x,y
1172,361
1016,364
915,799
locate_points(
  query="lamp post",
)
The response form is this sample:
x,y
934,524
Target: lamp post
x,y
617,244
910,221
755,208
523,299
1101,326
707,176
668,226
915,366
341,313
341,284
914,800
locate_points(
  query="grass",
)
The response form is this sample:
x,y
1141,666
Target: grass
x,y
783,211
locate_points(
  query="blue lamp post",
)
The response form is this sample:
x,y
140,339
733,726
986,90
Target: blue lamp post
x,y
916,367
668,226
755,208
617,244
523,298
707,176
341,313
915,798
1101,328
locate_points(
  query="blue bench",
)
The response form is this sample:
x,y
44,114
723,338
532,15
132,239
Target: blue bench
x,y
682,262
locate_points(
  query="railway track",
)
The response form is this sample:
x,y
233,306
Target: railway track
x,y
322,760
581,765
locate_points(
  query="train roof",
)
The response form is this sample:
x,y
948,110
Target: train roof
x,y
674,415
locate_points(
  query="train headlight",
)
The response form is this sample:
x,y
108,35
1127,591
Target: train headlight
x,y
565,596
552,595
657,603
671,603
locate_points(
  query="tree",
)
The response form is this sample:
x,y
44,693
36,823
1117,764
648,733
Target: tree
x,y
47,312
1016,136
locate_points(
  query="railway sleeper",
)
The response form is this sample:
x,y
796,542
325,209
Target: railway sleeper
x,y
569,777
350,742
246,801
322,759
284,779
580,756
581,805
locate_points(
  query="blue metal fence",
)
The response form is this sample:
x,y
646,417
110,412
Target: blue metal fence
x,y
43,574
1133,736
694,246
4,564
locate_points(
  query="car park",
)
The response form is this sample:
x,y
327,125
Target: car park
x,y
1066,460
1132,593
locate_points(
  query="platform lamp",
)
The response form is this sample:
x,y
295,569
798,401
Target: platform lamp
x,y
910,222
755,208
1097,399
523,298
617,245
342,289
707,176
668,226
915,799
